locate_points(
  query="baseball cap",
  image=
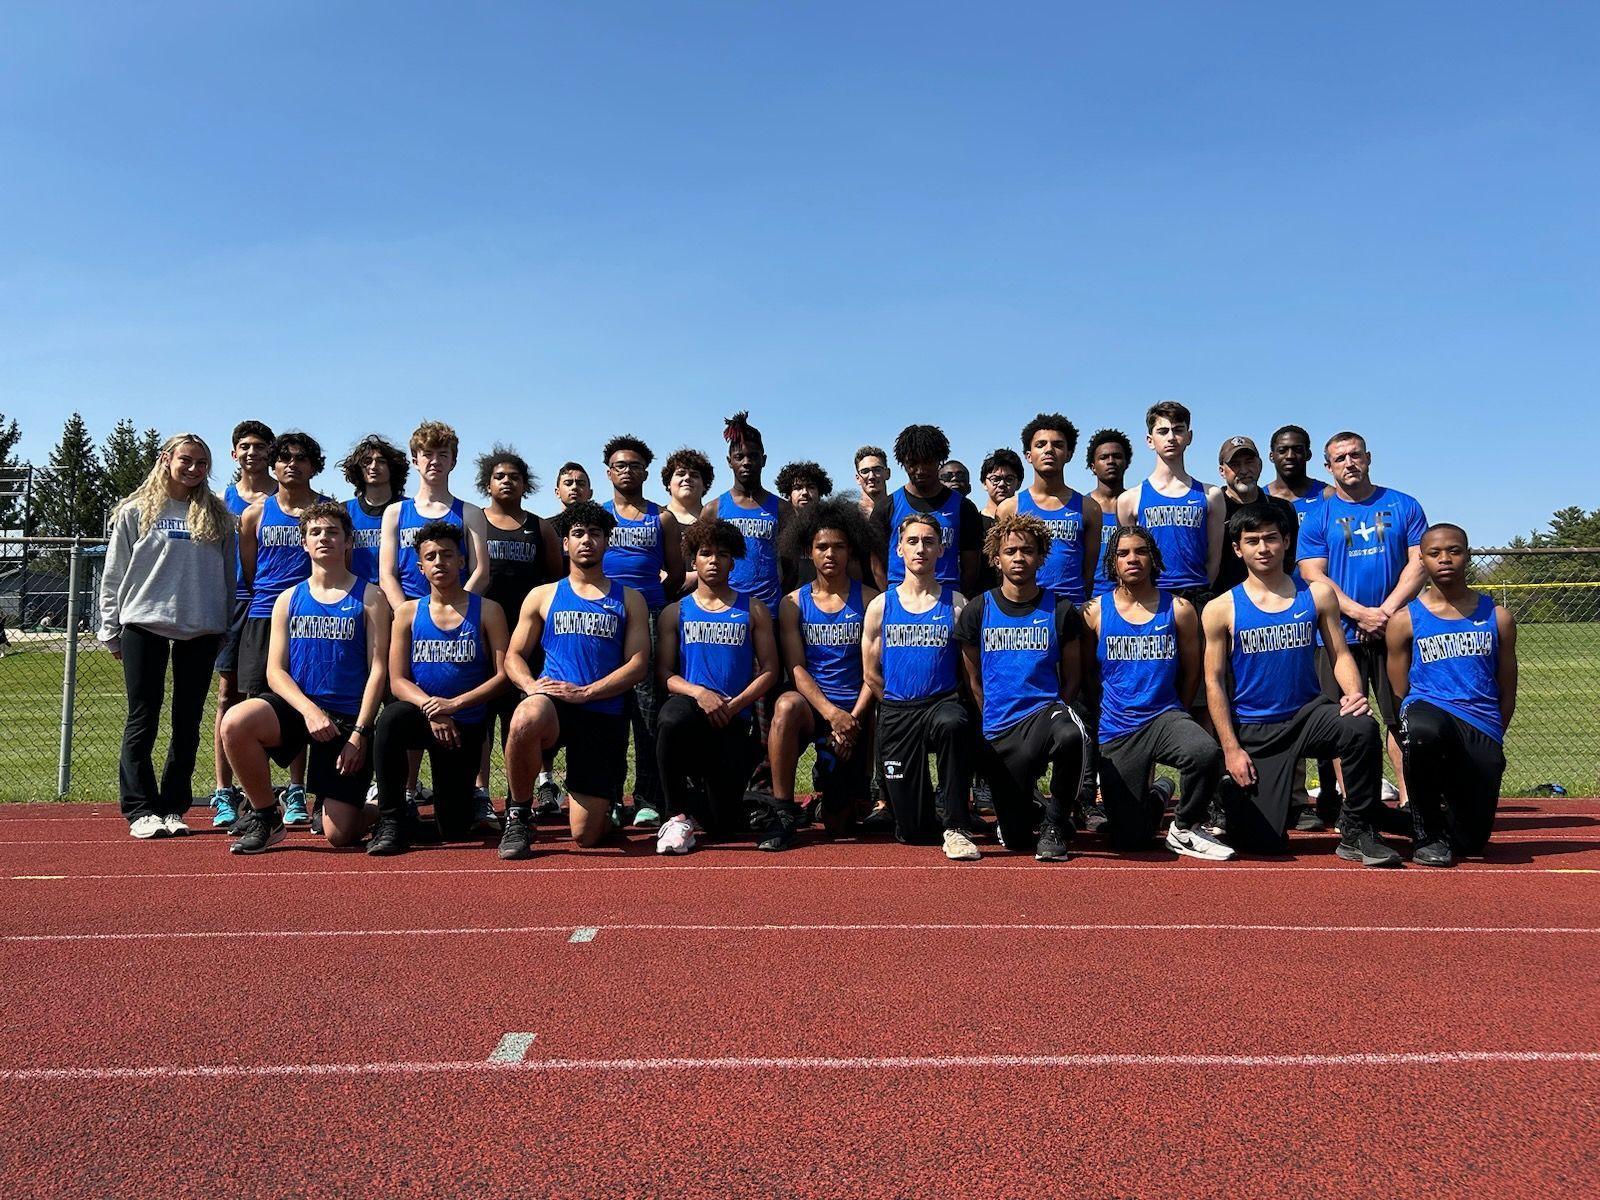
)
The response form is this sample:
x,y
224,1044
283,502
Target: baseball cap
x,y
1235,444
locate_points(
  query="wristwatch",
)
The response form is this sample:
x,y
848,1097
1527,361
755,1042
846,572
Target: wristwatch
x,y
363,730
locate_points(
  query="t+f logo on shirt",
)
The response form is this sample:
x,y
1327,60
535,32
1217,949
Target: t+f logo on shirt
x,y
1381,522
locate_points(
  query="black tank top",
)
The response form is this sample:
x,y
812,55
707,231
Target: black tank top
x,y
516,564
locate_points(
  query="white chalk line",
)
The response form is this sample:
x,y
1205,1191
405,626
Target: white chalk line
x,y
941,1062
587,933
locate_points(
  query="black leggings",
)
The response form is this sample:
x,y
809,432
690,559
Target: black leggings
x,y
703,769
1173,739
1453,774
403,727
1014,759
144,673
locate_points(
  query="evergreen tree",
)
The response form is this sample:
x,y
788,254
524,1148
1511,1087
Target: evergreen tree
x,y
127,460
10,479
69,497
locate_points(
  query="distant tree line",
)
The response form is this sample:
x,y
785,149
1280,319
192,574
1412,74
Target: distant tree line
x,y
1529,584
74,491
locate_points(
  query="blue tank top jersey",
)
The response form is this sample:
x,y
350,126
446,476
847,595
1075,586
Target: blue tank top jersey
x,y
1138,668
716,650
236,505
1274,658
833,645
366,535
407,565
1018,658
1103,582
919,649
1307,504
281,558
1455,664
1179,526
1062,571
583,638
948,569
756,574
634,555
328,647
448,662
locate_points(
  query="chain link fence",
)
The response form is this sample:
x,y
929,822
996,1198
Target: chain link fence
x,y
62,702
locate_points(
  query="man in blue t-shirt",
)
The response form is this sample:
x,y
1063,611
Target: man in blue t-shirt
x,y
1365,542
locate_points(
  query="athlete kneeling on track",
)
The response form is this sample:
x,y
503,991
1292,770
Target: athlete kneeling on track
x,y
1267,703
594,636
446,660
715,657
1146,645
1020,644
1453,666
327,655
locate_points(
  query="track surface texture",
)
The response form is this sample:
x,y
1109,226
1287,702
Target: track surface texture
x,y
852,1018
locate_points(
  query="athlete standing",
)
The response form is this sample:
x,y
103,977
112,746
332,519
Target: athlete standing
x,y
872,477
1186,517
377,471
252,451
1108,457
920,449
644,552
1453,668
1072,519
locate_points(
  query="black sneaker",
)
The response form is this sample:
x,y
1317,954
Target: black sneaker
x,y
1436,853
549,797
1360,843
881,817
1096,819
780,836
261,828
514,842
1307,821
1052,844
388,837
316,817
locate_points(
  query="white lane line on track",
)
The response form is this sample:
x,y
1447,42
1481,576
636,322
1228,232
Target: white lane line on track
x,y
513,1048
1177,869
587,933
942,1062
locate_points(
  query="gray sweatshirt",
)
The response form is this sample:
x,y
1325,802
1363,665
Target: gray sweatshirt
x,y
166,581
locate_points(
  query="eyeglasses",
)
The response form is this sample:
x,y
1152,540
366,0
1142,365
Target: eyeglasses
x,y
634,467
1001,480
872,470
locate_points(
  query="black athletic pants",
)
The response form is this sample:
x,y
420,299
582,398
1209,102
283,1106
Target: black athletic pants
x,y
690,752
1453,774
644,711
144,674
1133,808
909,731
403,727
1258,816
1014,760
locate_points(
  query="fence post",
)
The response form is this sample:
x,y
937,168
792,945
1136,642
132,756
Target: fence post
x,y
69,674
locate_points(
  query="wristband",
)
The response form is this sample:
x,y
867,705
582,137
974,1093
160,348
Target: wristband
x,y
363,730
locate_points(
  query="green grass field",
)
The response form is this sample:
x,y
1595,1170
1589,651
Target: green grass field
x,y
1553,740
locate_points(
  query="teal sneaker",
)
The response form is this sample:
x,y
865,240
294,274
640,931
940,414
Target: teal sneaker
x,y
295,813
646,817
224,808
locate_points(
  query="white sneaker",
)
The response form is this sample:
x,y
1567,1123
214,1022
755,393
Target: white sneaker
x,y
676,836
148,826
1197,843
1388,791
959,847
1315,793
175,825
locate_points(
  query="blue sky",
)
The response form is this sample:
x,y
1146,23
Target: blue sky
x,y
552,223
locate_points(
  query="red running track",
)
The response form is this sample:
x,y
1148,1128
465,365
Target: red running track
x,y
845,1019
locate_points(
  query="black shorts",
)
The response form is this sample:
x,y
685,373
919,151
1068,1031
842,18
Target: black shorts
x,y
1197,596
1372,660
597,749
252,663
322,760
228,651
